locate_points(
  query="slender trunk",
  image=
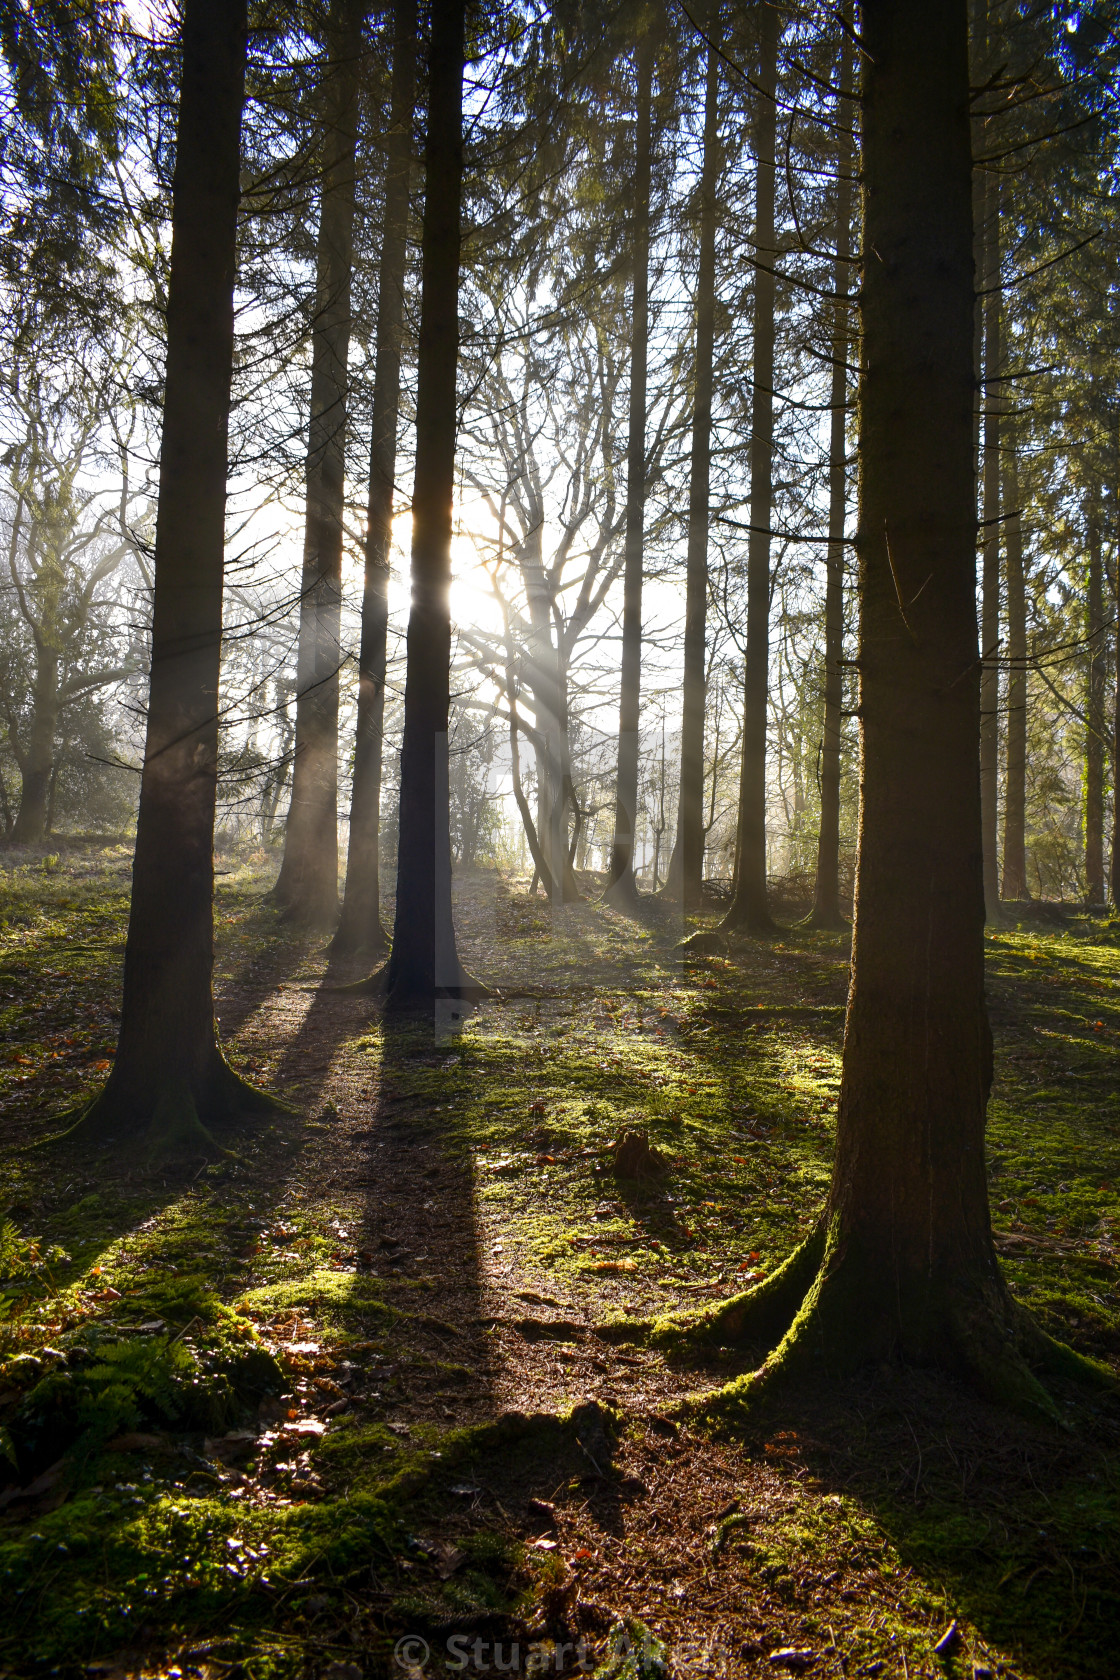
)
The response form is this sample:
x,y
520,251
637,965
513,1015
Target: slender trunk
x,y
424,964
621,888
749,909
1114,882
826,893
1094,712
989,620
1015,793
168,1065
307,885
359,928
686,865
37,767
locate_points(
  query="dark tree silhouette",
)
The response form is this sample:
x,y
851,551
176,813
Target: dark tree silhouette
x,y
424,964
686,866
1015,776
826,911
359,929
169,1071
307,885
621,890
749,909
989,616
901,1264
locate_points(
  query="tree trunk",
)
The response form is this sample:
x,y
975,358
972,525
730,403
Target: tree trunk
x,y
1114,882
37,765
901,1265
307,886
1094,711
989,620
749,909
686,865
621,889
360,930
424,964
826,893
169,1069
1015,794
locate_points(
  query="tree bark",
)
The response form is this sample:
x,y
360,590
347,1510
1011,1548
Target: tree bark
x,y
1114,867
901,1265
359,930
1094,711
1015,794
169,1069
989,620
826,891
424,965
749,910
686,865
621,890
307,886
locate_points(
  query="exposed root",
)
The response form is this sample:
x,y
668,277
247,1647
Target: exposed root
x,y
823,1314
759,1317
175,1124
373,985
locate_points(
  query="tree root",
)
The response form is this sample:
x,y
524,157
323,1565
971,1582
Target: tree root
x,y
174,1124
824,1314
758,1317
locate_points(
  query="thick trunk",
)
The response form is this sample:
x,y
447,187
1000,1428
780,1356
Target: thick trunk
x,y
621,889
1015,781
907,1268
359,929
989,619
826,893
37,766
168,1065
1094,712
686,865
307,885
424,964
749,909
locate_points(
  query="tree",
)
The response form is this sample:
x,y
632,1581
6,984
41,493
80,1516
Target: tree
x,y
989,307
307,886
686,865
359,929
424,964
169,1071
1015,768
67,542
901,1264
826,911
621,890
749,909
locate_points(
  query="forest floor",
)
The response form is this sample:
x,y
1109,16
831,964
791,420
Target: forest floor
x,y
335,1405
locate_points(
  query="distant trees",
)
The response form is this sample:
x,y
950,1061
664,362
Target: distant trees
x,y
67,635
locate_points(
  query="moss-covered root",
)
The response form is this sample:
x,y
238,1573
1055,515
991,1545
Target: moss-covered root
x,y
175,1125
975,1330
759,1317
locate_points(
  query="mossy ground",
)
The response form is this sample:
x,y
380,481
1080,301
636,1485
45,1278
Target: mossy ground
x,y
271,1412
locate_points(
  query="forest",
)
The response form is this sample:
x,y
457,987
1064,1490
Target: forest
x,y
559,839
